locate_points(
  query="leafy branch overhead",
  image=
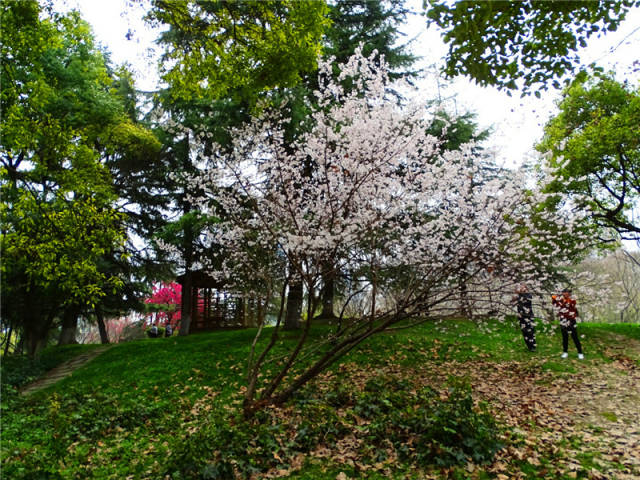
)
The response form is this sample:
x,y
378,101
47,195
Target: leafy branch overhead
x,y
237,49
531,43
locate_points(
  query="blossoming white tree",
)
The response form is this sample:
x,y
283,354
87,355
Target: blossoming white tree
x,y
365,190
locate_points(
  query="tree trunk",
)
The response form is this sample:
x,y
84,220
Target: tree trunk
x,y
20,345
240,312
263,307
69,326
465,307
328,295
37,320
102,327
185,304
260,312
294,306
8,340
35,340
35,332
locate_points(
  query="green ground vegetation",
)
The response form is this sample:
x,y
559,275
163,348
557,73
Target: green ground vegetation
x,y
404,405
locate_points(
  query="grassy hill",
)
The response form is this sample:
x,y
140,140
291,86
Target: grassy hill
x,y
452,400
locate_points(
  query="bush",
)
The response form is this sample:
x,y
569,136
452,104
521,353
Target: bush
x,y
18,370
159,334
382,397
455,430
423,428
320,425
223,446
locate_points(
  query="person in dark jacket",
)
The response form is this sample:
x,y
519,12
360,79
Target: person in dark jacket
x,y
567,310
525,316
153,331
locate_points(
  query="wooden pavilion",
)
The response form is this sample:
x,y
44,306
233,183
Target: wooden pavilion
x,y
214,307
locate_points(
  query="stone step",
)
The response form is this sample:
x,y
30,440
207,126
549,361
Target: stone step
x,y
62,371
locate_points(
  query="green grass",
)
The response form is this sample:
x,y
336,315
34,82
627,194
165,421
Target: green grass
x,y
130,398
136,408
630,330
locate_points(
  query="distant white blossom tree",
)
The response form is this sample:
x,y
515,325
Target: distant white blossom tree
x,y
366,190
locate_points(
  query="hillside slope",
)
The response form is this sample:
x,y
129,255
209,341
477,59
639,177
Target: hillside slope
x,y
166,408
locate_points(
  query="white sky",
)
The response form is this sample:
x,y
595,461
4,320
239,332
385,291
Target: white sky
x,y
516,122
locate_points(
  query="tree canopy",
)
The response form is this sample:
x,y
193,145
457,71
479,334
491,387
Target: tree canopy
x,y
384,203
594,143
229,48
220,60
82,176
511,43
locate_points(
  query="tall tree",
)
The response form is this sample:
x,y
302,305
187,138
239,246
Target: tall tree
x,y
531,42
594,145
131,153
237,49
373,25
59,207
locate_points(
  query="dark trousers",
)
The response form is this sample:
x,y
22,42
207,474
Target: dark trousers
x,y
528,332
571,329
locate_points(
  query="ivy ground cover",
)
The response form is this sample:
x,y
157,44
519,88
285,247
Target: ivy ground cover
x,y
430,402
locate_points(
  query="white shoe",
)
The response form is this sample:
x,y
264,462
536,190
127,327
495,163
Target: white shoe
x,y
580,356
564,355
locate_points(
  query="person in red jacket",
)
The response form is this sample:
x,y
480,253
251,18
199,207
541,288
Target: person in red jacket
x,y
565,305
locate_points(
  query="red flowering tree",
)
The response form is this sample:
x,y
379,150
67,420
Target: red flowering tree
x,y
164,304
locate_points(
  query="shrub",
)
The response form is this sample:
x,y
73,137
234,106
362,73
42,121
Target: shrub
x,y
425,429
18,370
422,428
160,333
448,432
340,395
224,446
320,425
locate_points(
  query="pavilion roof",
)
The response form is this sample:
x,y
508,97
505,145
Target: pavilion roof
x,y
200,279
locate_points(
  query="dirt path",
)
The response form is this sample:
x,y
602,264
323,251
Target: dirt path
x,y
591,417
563,425
589,421
63,370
